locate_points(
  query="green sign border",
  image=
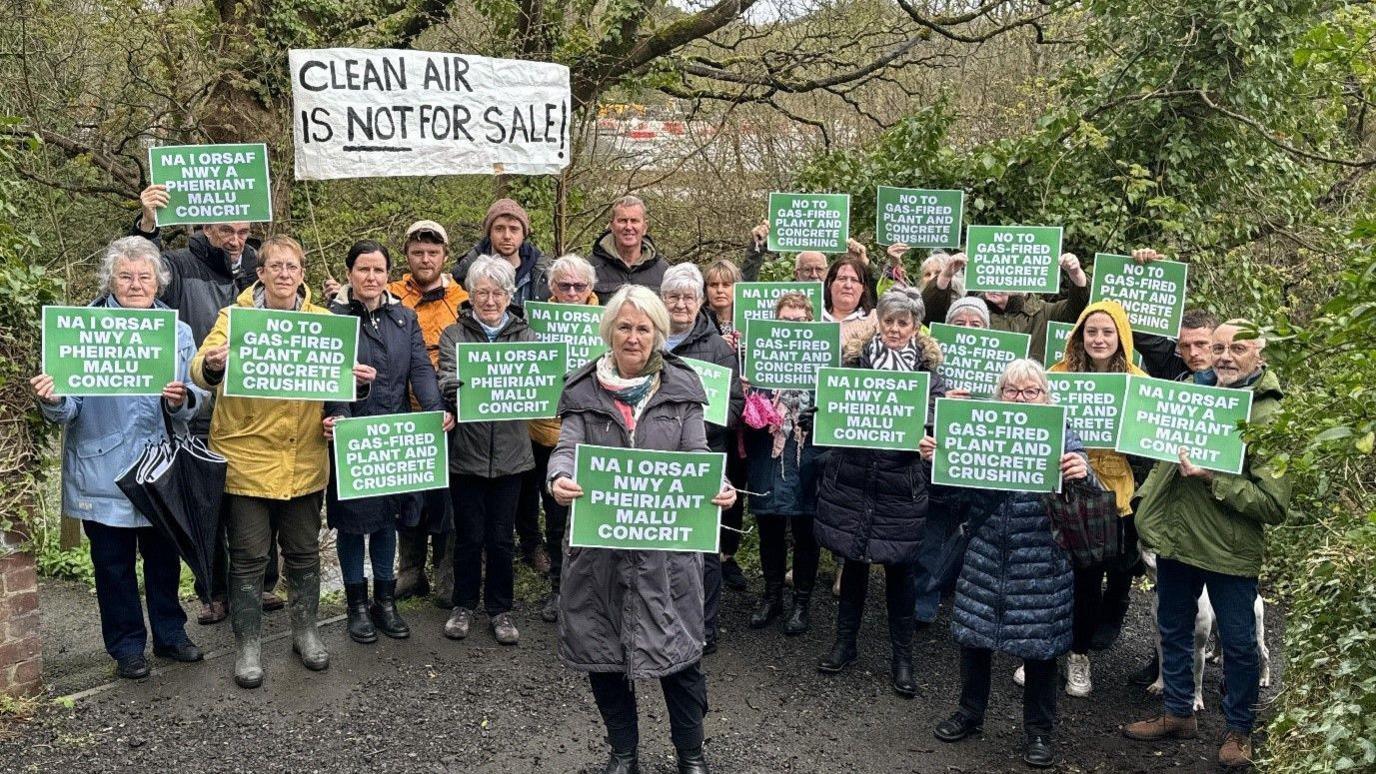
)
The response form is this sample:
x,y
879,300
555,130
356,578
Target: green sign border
x,y
826,423
578,458
557,389
1125,435
940,476
750,355
1121,391
350,355
881,232
937,331
347,422
776,246
812,289
1051,327
1115,264
170,368
1052,282
534,306
717,413
176,197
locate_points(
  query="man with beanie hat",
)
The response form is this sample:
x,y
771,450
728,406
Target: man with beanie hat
x,y
506,229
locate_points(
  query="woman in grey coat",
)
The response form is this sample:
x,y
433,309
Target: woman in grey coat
x,y
628,614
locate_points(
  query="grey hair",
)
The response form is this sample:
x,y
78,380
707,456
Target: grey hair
x,y
498,271
682,277
626,202
638,297
937,259
901,301
575,264
1251,331
1025,368
133,248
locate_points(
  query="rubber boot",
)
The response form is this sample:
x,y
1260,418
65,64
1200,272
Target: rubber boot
x,y
303,602
384,611
360,628
691,761
901,666
844,651
798,617
771,606
622,762
246,619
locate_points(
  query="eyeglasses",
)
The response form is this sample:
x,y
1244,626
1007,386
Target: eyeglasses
x,y
282,268
1031,393
571,287
1236,349
489,295
125,278
674,299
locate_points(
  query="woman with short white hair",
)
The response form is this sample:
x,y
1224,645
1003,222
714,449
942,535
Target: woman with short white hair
x,y
104,436
487,460
632,614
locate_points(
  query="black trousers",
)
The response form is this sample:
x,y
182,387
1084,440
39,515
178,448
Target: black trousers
x,y
556,515
711,595
484,509
1103,591
219,566
1038,693
114,554
898,589
774,552
733,517
685,694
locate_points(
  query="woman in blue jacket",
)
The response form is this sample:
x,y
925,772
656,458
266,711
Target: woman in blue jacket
x,y
104,436
1015,593
389,340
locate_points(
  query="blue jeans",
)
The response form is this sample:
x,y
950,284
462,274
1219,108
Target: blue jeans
x,y
382,549
1233,596
925,604
114,552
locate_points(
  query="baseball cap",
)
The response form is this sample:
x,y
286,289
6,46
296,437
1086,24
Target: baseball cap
x,y
428,225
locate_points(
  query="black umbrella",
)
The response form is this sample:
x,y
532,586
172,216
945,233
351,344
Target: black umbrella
x,y
188,490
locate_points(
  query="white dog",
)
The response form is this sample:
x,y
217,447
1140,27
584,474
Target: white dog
x,y
1203,626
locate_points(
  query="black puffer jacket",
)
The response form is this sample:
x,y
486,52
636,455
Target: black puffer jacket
x,y
872,505
484,449
389,340
612,272
704,342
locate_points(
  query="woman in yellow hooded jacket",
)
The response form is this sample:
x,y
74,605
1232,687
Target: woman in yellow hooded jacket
x,y
276,476
1102,343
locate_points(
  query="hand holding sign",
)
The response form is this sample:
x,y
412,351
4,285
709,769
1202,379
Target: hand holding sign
x,y
565,491
726,497
174,394
1070,264
43,387
153,198
364,374
1073,466
1190,470
217,357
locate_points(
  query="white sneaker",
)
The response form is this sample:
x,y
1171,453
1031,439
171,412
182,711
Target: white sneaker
x,y
1019,676
1077,682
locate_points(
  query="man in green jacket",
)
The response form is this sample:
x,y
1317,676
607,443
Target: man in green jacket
x,y
1206,528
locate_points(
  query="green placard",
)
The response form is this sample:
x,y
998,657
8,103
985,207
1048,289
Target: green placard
x,y
510,381
783,355
574,324
973,358
91,350
1057,333
291,355
808,221
865,409
1161,417
1152,293
755,300
646,500
1014,447
1093,404
716,382
390,454
1013,259
918,217
212,183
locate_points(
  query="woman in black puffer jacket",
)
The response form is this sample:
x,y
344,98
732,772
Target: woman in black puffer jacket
x,y
872,505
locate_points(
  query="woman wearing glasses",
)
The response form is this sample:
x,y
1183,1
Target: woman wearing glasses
x,y
571,279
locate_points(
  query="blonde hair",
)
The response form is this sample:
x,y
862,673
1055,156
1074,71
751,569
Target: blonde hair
x,y
1025,368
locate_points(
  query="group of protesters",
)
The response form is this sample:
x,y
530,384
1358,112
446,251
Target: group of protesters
x,y
624,615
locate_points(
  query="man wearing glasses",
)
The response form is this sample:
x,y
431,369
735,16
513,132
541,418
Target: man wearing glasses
x,y
217,264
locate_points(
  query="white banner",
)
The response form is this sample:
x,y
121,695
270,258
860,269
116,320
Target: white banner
x,y
390,113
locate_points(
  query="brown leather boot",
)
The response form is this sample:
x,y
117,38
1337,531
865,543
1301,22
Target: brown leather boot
x,y
1236,751
1163,727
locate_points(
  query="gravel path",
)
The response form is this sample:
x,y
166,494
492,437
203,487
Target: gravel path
x,y
431,705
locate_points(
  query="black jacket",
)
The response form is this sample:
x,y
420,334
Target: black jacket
x,y
389,340
483,449
532,276
612,272
872,504
704,342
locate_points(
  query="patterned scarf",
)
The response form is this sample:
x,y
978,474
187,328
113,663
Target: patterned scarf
x,y
634,392
881,358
